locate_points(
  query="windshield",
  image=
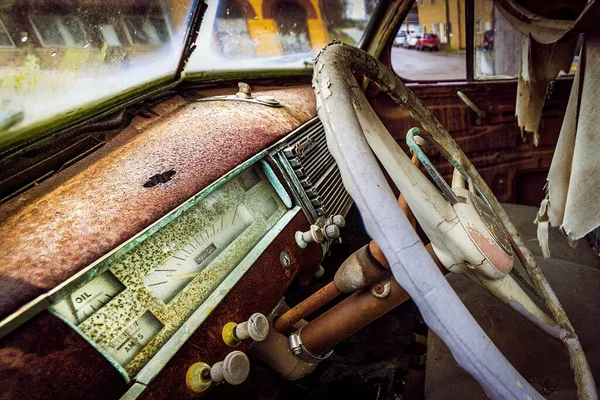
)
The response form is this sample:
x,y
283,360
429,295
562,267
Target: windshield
x,y
58,57
274,34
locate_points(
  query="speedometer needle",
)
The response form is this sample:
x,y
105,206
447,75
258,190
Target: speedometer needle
x,y
186,276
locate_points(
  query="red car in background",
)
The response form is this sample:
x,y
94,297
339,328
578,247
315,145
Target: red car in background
x,y
428,41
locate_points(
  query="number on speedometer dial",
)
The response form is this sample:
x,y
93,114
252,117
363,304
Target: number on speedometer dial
x,y
168,279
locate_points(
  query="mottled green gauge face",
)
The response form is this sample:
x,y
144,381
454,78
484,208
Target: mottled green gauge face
x,y
132,309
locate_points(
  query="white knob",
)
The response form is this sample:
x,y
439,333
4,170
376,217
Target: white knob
x,y
256,328
234,369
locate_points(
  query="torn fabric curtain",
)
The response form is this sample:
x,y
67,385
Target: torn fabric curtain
x,y
574,178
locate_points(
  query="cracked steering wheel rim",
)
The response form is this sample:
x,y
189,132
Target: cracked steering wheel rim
x,y
336,89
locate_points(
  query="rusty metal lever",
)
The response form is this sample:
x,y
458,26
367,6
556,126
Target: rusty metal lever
x,y
481,115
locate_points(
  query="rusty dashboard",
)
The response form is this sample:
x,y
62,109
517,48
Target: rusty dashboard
x,y
116,268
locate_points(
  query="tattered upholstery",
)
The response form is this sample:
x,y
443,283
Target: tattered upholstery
x,y
550,30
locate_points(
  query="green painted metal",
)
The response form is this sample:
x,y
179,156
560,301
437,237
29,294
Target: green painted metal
x,y
283,194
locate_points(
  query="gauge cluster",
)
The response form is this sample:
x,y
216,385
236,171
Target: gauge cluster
x,y
133,308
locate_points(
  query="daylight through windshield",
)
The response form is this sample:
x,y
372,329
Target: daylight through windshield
x,y
60,56
274,34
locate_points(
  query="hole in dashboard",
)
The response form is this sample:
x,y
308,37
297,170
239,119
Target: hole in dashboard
x,y
160,178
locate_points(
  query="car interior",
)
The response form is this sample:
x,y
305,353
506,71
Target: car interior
x,y
285,199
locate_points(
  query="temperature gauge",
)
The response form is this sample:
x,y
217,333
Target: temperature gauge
x,y
89,298
137,335
166,281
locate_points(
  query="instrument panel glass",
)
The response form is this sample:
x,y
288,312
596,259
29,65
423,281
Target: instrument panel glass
x,y
132,309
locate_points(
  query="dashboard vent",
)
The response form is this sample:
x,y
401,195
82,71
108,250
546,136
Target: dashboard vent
x,y
315,177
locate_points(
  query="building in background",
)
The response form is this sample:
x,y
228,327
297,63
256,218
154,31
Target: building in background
x,y
66,34
411,23
264,28
446,18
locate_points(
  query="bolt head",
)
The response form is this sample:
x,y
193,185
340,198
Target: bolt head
x,y
285,259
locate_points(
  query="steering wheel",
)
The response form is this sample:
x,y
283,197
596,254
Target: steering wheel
x,y
469,231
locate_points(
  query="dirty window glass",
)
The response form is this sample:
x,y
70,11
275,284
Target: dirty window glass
x,y
59,30
498,44
58,57
430,44
274,34
5,39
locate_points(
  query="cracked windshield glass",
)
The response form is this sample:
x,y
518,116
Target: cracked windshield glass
x,y
60,56
274,35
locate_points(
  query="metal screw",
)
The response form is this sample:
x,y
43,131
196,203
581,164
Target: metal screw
x,y
285,259
381,290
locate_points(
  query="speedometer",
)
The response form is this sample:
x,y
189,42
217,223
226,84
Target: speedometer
x,y
168,279
135,300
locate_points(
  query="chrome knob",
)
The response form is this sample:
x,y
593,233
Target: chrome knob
x,y
331,232
256,328
314,234
336,220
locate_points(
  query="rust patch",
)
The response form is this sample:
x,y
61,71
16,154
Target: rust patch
x,y
53,231
46,359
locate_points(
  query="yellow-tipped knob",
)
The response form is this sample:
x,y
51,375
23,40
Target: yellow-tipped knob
x,y
198,377
228,335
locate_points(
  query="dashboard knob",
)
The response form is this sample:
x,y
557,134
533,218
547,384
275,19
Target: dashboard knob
x,y
315,234
198,377
234,369
256,328
331,232
337,220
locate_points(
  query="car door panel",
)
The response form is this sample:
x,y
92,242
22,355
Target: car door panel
x,y
495,146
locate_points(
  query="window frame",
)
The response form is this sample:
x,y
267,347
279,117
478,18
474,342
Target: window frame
x,y
130,37
63,46
13,44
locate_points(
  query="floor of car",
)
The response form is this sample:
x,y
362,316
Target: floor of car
x,y
575,276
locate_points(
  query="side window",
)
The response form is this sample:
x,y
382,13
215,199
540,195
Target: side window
x,y
146,29
59,30
5,39
431,45
498,44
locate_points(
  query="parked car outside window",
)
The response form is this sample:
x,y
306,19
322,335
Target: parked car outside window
x,y
428,41
411,40
400,39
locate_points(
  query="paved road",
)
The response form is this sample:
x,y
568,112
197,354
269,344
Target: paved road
x,y
428,65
